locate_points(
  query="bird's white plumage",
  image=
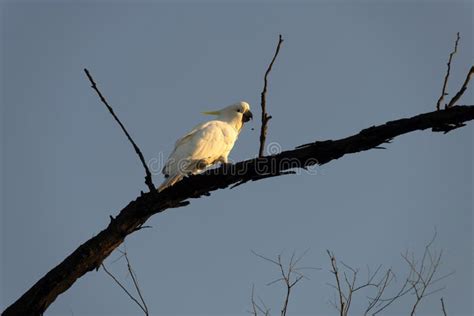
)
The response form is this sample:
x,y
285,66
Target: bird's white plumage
x,y
206,144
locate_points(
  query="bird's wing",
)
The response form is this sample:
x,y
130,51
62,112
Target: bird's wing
x,y
210,142
200,147
183,141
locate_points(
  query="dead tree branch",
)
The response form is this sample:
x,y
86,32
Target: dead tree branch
x,y
125,289
345,291
141,304
461,91
424,273
443,307
290,274
135,282
342,298
258,307
90,255
446,77
122,287
148,180
420,279
263,101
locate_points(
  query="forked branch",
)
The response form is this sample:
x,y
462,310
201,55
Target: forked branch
x,y
258,307
141,303
463,89
289,274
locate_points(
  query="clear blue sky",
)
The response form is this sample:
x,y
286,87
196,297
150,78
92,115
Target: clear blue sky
x,y
344,66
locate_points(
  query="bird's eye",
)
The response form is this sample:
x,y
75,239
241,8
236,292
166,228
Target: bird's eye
x,y
239,110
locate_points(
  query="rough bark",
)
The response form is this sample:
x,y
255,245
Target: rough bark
x,y
90,255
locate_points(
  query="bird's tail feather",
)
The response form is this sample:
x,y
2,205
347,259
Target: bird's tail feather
x,y
169,182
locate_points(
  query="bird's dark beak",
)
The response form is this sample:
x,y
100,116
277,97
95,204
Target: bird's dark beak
x,y
247,116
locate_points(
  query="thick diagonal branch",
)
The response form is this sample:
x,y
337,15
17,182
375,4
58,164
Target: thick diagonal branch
x,y
90,255
148,180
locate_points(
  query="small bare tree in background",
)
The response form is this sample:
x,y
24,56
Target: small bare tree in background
x,y
379,288
418,282
289,274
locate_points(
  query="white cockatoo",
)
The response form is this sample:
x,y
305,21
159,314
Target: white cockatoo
x,y
206,144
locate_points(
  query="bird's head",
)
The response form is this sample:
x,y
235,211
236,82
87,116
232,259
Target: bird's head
x,y
240,110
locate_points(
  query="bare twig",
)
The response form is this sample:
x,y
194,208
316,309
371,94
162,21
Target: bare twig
x,y
381,287
345,293
425,274
124,289
289,275
265,116
135,281
148,179
342,300
446,78
141,304
254,304
443,307
256,307
461,91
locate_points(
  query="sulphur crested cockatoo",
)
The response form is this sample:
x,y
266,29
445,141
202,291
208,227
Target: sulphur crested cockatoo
x,y
206,144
